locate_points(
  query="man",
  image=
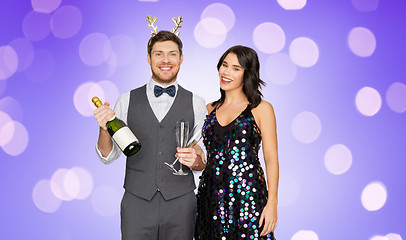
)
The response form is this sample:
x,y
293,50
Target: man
x,y
156,204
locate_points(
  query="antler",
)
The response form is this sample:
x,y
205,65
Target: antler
x,y
177,22
151,21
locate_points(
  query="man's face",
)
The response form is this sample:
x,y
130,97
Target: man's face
x,y
165,61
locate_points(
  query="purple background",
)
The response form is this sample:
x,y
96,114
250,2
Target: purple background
x,y
39,79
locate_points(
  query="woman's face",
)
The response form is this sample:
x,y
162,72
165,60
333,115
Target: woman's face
x,y
231,73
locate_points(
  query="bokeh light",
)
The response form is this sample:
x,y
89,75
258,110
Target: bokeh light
x,y
280,69
306,127
19,141
292,4
78,183
12,107
45,6
338,159
36,26
362,41
95,49
66,22
58,184
374,196
8,62
221,12
269,37
368,101
210,32
83,97
25,52
123,48
43,197
305,235
6,129
396,97
378,237
304,52
393,236
365,5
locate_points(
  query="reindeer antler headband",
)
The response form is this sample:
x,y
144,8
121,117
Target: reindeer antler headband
x,y
151,21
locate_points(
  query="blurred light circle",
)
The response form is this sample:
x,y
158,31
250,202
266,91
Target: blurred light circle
x,y
57,184
43,197
42,67
288,191
305,235
124,49
45,6
280,69
304,52
36,26
306,127
362,42
396,97
8,62
378,237
110,91
106,200
292,4
338,159
368,101
374,196
25,53
221,12
18,142
66,22
393,236
95,49
82,98
365,5
78,183
210,32
6,128
269,37
12,107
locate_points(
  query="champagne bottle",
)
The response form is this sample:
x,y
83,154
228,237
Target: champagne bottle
x,y
120,133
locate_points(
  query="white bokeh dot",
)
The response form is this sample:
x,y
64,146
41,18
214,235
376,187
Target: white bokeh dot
x,y
66,22
368,101
393,236
365,5
19,142
45,6
110,91
6,128
378,237
305,235
374,196
396,97
36,26
222,12
306,127
95,49
105,200
280,69
304,52
58,184
78,183
269,37
8,62
12,107
82,98
292,4
338,159
362,42
43,197
210,32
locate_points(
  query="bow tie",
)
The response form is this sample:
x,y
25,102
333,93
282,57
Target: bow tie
x,y
158,91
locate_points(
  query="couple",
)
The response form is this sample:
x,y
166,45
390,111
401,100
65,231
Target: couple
x,y
233,200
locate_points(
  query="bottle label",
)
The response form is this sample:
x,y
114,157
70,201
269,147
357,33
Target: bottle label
x,y
124,137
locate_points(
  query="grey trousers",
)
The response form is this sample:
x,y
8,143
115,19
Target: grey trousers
x,y
158,219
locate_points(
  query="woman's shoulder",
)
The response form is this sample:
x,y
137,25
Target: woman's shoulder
x,y
210,107
263,107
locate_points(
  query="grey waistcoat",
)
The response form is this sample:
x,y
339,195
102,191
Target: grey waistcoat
x,y
145,171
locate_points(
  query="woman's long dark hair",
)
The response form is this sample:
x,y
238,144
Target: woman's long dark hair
x,y
248,59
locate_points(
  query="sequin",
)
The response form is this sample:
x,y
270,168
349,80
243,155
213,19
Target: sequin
x,y
232,190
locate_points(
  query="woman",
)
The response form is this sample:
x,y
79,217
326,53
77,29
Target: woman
x,y
233,199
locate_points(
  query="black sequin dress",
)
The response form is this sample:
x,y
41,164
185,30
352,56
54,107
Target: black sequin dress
x,y
232,190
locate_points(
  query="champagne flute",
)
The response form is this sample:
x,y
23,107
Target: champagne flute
x,y
182,137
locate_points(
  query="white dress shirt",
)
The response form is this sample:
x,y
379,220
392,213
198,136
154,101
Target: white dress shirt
x,y
160,106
